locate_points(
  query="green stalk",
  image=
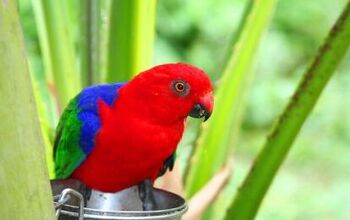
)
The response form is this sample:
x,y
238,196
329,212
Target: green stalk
x,y
58,49
223,127
90,42
24,186
45,124
237,34
131,38
251,193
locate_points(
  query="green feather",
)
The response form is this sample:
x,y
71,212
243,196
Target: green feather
x,y
67,153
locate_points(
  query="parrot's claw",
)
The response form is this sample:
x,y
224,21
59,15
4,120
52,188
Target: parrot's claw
x,y
147,196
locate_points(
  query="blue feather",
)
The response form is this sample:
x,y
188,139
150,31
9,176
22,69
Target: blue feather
x,y
88,114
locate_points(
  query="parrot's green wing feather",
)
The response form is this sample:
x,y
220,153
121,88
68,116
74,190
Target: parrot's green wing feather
x,y
67,152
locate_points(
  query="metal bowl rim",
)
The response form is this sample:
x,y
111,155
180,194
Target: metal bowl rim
x,y
157,214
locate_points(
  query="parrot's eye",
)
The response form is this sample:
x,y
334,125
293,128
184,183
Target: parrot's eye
x,y
180,87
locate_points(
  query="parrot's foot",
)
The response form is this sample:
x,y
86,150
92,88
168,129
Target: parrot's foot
x,y
147,196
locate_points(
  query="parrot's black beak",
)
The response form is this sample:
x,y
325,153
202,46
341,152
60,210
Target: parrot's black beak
x,y
199,111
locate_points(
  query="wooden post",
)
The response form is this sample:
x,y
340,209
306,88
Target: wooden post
x,y
24,183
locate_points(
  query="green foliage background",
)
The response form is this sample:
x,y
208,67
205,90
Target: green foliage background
x,y
314,181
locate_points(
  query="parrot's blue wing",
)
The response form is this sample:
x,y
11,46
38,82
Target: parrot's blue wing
x,y
88,114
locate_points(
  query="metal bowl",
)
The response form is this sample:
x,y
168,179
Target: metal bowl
x,y
123,205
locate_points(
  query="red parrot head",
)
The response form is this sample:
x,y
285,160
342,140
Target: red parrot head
x,y
171,92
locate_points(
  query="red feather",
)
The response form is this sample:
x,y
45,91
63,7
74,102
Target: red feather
x,y
143,127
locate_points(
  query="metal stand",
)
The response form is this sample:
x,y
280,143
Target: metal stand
x,y
64,197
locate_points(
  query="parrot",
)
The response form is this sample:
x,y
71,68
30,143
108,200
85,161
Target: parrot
x,y
114,136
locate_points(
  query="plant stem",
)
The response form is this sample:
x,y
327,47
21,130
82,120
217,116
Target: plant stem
x,y
251,193
58,49
223,126
237,34
131,38
24,184
90,42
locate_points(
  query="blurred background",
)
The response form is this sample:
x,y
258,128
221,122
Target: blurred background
x,y
314,182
